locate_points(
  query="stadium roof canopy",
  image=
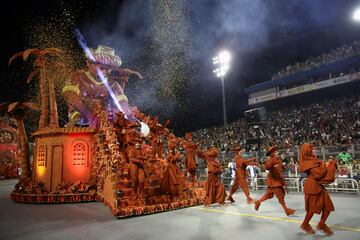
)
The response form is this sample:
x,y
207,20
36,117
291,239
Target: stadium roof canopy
x,y
304,75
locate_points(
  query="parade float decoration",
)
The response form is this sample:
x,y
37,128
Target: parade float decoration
x,y
109,151
9,148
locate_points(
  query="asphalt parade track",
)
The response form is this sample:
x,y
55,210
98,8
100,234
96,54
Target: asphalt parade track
x,y
230,221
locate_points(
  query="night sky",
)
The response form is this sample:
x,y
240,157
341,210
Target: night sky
x,y
172,44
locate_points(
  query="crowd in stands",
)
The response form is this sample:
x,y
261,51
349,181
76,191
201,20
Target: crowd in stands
x,y
331,123
220,137
334,55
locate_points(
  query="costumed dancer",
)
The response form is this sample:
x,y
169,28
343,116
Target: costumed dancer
x,y
172,182
275,181
317,200
240,180
157,144
191,150
136,166
215,190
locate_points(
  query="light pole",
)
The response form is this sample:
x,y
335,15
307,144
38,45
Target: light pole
x,y
356,15
222,61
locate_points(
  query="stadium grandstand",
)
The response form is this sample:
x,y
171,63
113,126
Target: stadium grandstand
x,y
337,68
316,101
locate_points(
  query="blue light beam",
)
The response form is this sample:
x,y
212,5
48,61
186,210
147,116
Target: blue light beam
x,y
90,56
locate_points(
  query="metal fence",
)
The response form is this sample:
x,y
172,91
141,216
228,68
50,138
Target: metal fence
x,y
345,185
324,152
344,182
341,184
292,183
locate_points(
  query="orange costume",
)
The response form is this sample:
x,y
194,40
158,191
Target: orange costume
x,y
241,175
215,190
275,181
136,167
190,155
172,182
157,144
317,200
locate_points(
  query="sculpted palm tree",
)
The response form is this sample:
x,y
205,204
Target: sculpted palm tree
x,y
17,111
42,57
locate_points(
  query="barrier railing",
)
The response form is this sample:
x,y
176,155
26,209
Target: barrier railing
x,y
292,183
340,185
227,183
297,184
260,183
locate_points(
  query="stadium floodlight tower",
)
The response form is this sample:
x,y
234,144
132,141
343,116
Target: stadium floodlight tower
x,y
356,15
222,61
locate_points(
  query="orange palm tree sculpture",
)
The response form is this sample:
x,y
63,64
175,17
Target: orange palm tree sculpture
x,y
17,110
40,63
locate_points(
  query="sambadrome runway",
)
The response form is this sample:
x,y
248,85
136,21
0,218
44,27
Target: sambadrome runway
x,y
231,221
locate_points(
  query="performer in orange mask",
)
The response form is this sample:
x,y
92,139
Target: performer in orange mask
x,y
240,180
317,200
191,150
275,181
215,190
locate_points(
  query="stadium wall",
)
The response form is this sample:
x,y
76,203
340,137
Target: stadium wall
x,y
253,99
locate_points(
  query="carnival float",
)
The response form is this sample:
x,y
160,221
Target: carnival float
x,y
109,151
9,150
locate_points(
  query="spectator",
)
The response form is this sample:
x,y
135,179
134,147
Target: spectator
x,y
253,172
356,170
343,171
345,157
292,166
232,168
334,55
328,123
